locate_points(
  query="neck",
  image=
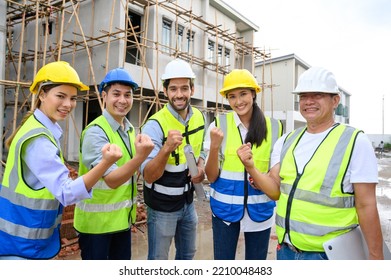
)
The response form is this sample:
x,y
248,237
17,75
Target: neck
x,y
318,127
184,112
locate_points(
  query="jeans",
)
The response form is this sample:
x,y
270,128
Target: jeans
x,y
164,226
107,246
286,253
225,241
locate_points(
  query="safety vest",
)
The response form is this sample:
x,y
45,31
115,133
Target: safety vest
x,y
313,207
231,193
173,189
29,219
109,210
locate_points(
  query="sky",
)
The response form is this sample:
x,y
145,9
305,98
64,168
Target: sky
x,y
351,38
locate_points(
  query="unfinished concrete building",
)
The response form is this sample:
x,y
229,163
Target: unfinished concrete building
x,y
95,36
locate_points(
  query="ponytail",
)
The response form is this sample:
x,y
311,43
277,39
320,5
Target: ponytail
x,y
257,130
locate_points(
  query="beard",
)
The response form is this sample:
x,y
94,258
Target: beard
x,y
184,104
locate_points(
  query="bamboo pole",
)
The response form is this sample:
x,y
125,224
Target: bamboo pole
x,y
19,67
109,36
88,54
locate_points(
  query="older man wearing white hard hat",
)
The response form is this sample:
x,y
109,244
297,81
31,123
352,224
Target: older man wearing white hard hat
x,y
325,176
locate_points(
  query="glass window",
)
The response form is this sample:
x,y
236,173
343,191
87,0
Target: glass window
x,y
179,37
220,55
166,35
190,42
227,57
211,51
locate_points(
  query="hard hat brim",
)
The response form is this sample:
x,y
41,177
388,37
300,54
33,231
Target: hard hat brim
x,y
224,91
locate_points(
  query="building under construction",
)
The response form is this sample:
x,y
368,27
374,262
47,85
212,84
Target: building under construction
x,y
95,36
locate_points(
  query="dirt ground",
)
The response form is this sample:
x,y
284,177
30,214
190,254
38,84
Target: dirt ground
x,y
204,232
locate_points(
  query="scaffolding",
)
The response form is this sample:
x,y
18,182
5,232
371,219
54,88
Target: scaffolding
x,y
59,14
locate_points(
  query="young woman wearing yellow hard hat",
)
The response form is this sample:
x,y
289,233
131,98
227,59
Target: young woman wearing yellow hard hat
x,y
36,183
237,206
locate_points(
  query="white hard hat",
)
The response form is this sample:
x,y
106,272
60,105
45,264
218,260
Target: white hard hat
x,y
178,69
317,79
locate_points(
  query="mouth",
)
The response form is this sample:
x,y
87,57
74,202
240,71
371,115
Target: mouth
x,y
180,101
121,109
312,109
63,113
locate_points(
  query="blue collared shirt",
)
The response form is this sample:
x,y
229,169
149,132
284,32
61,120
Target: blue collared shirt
x,y
43,167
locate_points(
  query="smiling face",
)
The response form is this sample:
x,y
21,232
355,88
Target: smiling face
x,y
58,102
118,100
179,92
318,108
241,101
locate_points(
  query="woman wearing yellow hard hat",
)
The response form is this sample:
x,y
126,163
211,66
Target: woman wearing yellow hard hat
x,y
237,206
36,183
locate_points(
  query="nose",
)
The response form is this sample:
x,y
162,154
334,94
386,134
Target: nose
x,y
68,102
122,98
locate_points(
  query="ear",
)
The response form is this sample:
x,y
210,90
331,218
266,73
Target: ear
x,y
41,95
336,99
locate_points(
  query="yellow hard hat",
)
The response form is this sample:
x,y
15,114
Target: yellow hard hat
x,y
239,78
59,72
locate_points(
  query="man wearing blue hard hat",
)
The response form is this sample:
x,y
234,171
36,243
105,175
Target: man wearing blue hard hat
x,y
103,221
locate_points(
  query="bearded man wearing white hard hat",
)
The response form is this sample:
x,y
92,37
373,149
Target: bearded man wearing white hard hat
x,y
168,188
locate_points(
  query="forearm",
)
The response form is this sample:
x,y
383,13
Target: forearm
x,y
265,183
368,217
212,165
93,176
370,225
155,167
122,174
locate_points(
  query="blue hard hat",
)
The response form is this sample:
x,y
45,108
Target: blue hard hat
x,y
118,75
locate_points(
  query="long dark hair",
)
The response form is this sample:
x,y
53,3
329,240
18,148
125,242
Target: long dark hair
x,y
37,104
257,130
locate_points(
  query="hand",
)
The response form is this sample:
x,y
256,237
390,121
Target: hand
x,y
199,178
111,153
174,140
143,145
216,137
245,155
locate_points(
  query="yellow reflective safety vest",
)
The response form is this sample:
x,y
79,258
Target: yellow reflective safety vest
x,y
231,193
173,189
109,210
313,207
30,219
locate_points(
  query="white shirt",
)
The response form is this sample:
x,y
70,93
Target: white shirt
x,y
362,167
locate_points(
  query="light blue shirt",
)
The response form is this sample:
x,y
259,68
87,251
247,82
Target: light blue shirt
x,y
95,138
43,167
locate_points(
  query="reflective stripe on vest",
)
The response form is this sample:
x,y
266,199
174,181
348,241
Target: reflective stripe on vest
x,y
109,210
32,231
312,207
231,192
